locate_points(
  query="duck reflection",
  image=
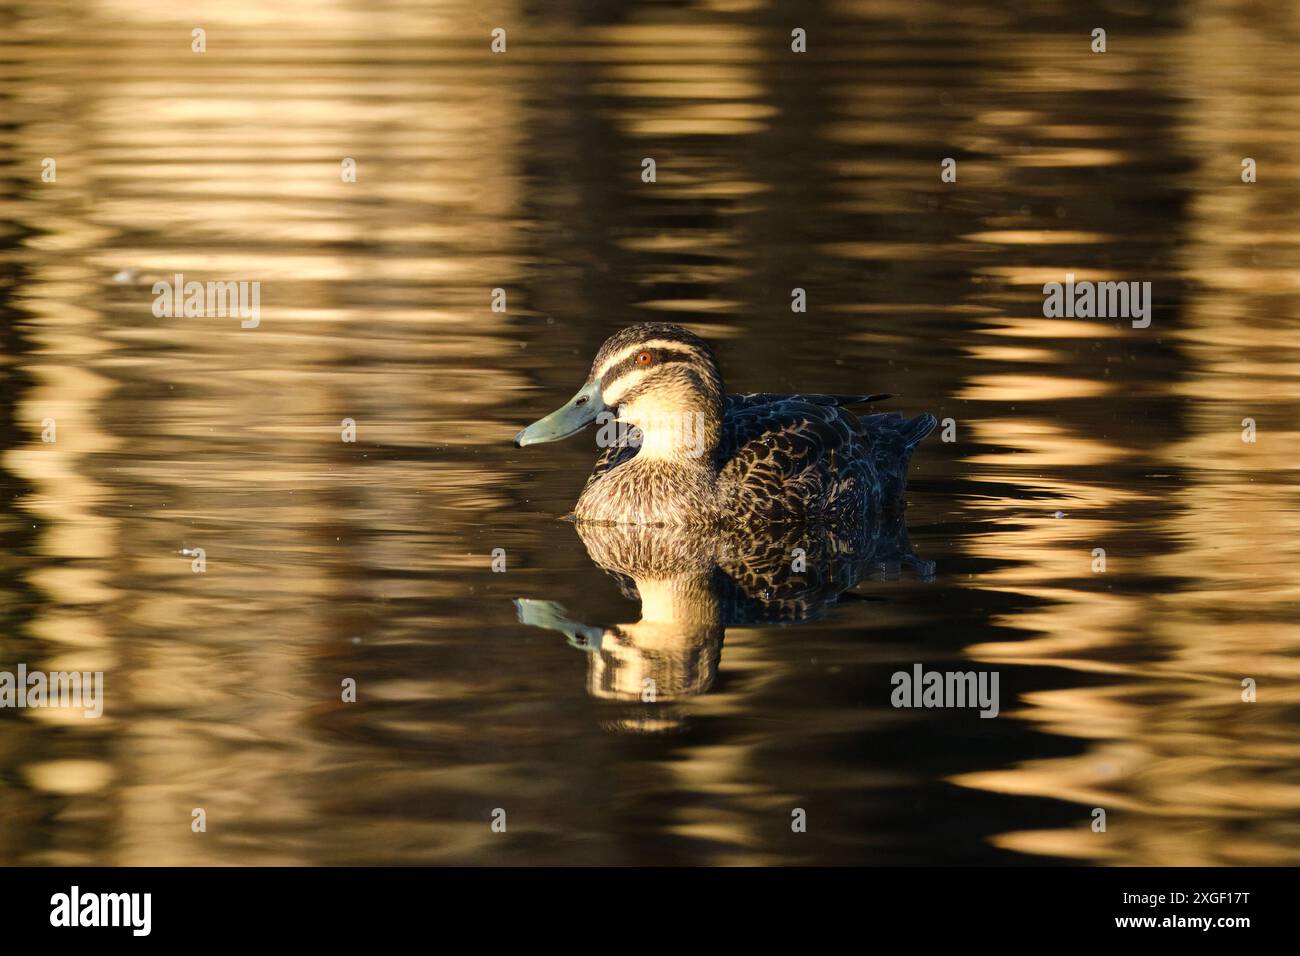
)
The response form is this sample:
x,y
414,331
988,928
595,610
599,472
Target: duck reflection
x,y
693,586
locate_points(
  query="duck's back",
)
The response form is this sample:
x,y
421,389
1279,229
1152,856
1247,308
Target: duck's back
x,y
787,458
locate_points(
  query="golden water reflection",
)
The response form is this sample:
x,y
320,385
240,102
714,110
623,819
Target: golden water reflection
x,y
370,560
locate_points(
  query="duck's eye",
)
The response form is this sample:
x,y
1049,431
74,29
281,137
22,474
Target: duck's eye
x,y
580,401
644,358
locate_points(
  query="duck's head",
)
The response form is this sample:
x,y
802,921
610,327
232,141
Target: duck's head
x,y
655,376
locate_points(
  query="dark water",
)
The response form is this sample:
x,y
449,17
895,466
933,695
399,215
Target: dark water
x,y
371,560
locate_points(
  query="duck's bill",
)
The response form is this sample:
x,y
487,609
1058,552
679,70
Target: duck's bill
x,y
575,415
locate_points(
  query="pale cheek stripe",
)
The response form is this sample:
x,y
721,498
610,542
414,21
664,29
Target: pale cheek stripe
x,y
620,356
619,387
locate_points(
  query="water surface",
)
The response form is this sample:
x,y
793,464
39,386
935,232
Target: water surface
x,y
371,560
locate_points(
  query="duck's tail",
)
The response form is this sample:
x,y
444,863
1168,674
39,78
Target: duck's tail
x,y
893,439
915,429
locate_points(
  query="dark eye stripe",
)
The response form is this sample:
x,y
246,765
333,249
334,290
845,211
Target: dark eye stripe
x,y
660,357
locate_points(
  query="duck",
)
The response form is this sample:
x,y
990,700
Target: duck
x,y
677,451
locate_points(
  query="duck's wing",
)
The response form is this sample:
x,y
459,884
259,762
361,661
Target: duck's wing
x,y
803,457
789,459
